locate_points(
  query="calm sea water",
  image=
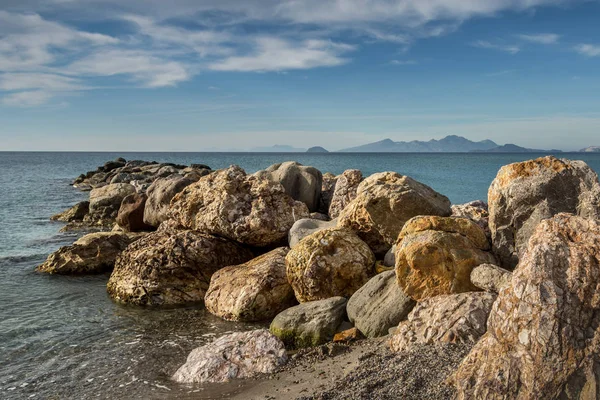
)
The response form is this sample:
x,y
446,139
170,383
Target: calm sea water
x,y
62,337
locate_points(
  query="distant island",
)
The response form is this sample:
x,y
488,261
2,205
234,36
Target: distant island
x,y
513,148
317,149
591,149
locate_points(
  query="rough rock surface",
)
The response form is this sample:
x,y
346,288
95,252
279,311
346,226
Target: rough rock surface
x,y
93,253
75,213
383,204
490,277
379,305
543,332
527,192
327,189
238,355
106,201
344,191
255,291
244,208
301,182
310,324
131,213
476,211
453,318
435,255
331,262
167,267
305,227
160,194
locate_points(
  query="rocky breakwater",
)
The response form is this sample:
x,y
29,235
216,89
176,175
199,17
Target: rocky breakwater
x,y
248,247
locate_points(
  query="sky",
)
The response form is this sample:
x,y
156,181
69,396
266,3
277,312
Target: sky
x,y
203,75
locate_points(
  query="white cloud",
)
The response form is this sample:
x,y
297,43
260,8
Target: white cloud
x,y
272,54
540,38
590,50
45,81
27,99
403,62
483,44
149,70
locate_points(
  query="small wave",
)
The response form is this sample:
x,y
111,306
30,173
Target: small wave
x,y
22,258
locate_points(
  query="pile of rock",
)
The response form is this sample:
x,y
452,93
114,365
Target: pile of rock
x,y
253,248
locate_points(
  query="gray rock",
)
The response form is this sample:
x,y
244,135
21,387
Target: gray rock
x,y
305,227
389,260
477,211
525,193
310,324
345,191
379,305
327,189
160,194
238,355
301,182
106,201
490,277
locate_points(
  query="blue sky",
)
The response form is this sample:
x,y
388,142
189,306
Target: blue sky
x,y
194,75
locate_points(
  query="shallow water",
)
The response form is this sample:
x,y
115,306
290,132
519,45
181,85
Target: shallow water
x,y
62,337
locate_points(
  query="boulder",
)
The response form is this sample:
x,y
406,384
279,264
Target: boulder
x,y
525,193
105,202
171,267
244,208
310,324
477,211
73,214
302,183
383,204
131,213
160,194
490,277
344,191
451,318
389,260
327,189
379,305
305,227
328,263
435,255
238,355
542,340
255,291
94,253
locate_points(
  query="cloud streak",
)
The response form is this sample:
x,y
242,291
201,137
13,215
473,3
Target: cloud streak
x,y
589,50
483,44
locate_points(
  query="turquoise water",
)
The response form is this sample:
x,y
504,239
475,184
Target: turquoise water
x,y
62,337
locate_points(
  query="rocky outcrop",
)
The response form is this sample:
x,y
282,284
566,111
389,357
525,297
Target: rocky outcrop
x,y
160,194
327,189
238,355
435,255
171,267
328,263
302,183
94,253
344,191
74,214
542,340
453,318
525,193
310,324
106,201
477,211
306,227
244,208
490,277
131,213
383,204
255,291
379,305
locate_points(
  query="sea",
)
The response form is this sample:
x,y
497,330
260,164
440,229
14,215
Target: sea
x,y
63,338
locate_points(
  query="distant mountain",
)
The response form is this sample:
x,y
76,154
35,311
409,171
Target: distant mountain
x,y
591,149
449,144
317,149
513,148
278,148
